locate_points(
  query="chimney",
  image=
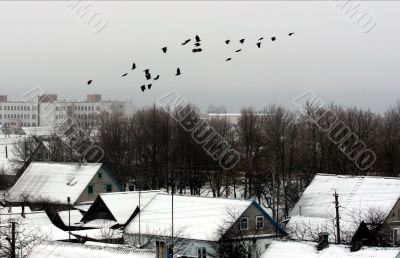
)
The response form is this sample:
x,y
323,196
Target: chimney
x,y
322,241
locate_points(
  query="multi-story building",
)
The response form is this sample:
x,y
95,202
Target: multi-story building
x,y
48,111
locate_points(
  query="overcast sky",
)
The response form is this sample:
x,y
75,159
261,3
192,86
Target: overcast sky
x,y
45,44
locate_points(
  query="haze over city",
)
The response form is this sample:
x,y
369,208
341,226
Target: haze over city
x,y
44,44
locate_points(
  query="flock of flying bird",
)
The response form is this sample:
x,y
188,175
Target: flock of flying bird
x,y
197,48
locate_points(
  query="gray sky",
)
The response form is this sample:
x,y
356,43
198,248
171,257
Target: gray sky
x,y
44,44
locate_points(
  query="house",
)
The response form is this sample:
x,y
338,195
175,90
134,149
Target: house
x,y
360,198
199,223
303,249
118,206
68,219
73,250
55,182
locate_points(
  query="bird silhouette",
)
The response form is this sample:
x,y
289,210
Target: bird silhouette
x,y
237,51
125,74
89,82
228,59
147,74
149,86
186,41
195,50
143,88
291,33
227,41
156,78
197,38
273,38
258,44
133,66
261,38
197,44
178,71
241,41
164,49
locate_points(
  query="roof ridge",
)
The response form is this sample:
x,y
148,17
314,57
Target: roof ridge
x,y
131,192
357,176
207,197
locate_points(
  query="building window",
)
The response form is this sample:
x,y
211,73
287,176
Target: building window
x,y
201,252
244,223
100,175
90,189
108,188
259,222
33,116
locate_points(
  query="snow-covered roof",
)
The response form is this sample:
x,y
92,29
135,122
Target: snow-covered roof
x,y
53,181
123,204
14,209
98,233
64,250
75,216
35,224
292,249
357,196
83,206
38,131
99,223
198,218
7,157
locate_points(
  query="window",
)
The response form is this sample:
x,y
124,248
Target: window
x,y
108,188
201,252
259,222
394,235
1,107
90,189
244,223
100,175
33,116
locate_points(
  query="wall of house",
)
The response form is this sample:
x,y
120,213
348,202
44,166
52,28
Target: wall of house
x,y
251,213
99,186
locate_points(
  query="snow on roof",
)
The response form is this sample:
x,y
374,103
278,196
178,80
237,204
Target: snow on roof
x,y
83,206
123,204
194,217
15,209
357,195
10,141
292,249
39,131
36,224
98,233
76,217
52,181
64,250
99,223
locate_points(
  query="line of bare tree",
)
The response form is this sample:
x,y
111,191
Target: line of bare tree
x,y
281,150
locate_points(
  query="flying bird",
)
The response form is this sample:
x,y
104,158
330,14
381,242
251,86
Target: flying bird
x,y
147,74
149,86
258,44
178,71
89,82
227,41
291,33
186,41
238,50
125,74
164,49
241,41
273,38
133,66
195,50
197,38
197,44
229,59
261,38
143,88
156,78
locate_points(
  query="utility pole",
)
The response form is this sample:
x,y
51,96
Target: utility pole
x,y
13,239
140,211
171,253
69,218
337,217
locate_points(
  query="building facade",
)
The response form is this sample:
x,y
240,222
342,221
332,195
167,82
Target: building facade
x,y
48,111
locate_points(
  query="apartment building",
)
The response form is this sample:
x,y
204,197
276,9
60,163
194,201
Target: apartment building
x,y
48,111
